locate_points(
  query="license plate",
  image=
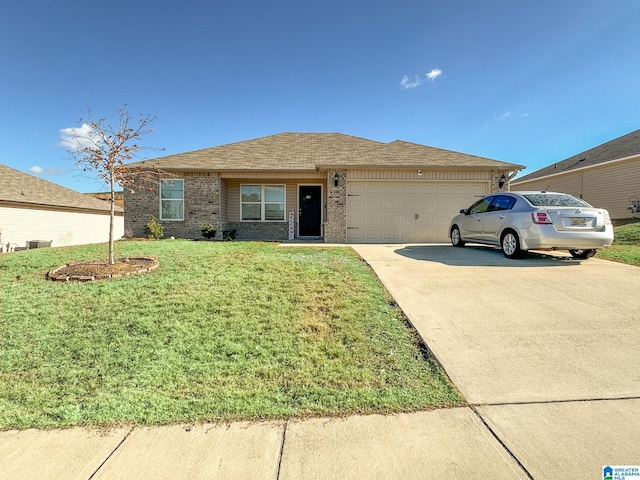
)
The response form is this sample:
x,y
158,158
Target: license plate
x,y
578,221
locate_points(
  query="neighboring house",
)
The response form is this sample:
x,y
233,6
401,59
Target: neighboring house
x,y
33,209
606,176
106,197
329,186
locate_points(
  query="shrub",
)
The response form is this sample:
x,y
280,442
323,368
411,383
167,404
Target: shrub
x,y
208,230
153,229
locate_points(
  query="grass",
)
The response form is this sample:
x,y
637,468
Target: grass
x,y
626,245
222,331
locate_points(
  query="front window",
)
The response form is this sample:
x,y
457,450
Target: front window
x,y
260,203
172,200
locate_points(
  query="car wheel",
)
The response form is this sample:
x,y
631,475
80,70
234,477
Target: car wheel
x,y
511,244
583,254
456,239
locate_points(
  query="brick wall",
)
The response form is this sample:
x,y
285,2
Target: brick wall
x,y
335,225
201,204
259,230
495,181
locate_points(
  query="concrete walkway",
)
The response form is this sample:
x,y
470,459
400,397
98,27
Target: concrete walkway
x,y
545,350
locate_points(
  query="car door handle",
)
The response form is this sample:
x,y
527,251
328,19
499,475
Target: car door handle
x,y
501,217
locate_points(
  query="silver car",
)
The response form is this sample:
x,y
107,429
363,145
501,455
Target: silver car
x,y
517,222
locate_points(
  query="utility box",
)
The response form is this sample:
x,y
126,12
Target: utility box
x,y
38,243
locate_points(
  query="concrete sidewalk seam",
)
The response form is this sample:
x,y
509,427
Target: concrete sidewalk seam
x,y
551,402
284,436
499,440
111,454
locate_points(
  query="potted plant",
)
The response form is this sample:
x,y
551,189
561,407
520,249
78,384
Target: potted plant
x,y
208,230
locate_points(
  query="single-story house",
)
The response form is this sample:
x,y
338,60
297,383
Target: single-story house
x,y
34,212
606,176
329,186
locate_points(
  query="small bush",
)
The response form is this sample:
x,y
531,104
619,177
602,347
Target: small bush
x,y
208,230
153,229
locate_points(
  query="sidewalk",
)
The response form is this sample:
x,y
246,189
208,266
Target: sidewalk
x,y
443,444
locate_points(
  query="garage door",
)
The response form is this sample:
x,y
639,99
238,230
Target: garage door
x,y
388,212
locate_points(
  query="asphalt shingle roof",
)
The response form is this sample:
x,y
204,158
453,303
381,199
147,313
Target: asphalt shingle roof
x,y
621,147
313,151
22,188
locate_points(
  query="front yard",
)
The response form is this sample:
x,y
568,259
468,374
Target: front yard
x,y
222,331
626,245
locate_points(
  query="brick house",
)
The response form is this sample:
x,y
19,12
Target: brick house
x,y
606,176
329,186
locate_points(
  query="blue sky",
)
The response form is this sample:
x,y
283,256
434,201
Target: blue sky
x,y
528,82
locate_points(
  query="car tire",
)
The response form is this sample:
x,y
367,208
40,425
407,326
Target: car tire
x,y
456,238
510,244
583,254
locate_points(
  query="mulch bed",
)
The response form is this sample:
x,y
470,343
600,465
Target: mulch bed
x,y
91,270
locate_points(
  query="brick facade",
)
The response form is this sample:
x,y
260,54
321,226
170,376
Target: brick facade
x,y
335,225
260,230
201,205
496,175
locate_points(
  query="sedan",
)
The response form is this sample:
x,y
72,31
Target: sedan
x,y
517,222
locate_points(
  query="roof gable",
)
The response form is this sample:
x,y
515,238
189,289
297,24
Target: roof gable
x,y
22,188
622,147
313,151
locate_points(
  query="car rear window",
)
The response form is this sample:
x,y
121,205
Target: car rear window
x,y
554,200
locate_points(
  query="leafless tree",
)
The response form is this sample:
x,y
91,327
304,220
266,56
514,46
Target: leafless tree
x,y
99,147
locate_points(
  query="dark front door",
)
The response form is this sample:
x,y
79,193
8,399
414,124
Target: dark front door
x,y
310,201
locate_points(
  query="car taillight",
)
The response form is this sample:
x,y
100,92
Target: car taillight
x,y
541,216
607,218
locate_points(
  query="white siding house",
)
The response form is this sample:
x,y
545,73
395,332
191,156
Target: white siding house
x,y
36,210
606,176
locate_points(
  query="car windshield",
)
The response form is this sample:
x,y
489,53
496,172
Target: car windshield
x,y
554,200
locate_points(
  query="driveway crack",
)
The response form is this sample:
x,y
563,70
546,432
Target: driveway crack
x,y
111,454
499,440
549,402
284,437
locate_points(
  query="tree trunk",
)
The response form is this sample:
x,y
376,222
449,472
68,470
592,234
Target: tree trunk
x,y
112,214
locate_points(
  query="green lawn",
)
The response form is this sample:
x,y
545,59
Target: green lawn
x,y
224,331
626,245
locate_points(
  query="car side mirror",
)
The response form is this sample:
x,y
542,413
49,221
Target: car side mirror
x,y
464,210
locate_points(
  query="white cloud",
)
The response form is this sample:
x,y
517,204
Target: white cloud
x,y
77,138
406,83
38,170
433,74
504,115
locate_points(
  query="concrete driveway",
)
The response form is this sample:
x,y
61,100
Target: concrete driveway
x,y
547,349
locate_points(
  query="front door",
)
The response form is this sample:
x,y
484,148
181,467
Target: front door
x,y
310,210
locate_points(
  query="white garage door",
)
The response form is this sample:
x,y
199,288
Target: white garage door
x,y
394,212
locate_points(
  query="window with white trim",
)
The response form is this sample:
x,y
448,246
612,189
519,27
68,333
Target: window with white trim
x,y
262,203
171,199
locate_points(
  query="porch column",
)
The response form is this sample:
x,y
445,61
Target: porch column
x,y
335,225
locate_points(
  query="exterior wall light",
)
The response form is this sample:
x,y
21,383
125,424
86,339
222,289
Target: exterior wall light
x,y
419,173
336,177
502,181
